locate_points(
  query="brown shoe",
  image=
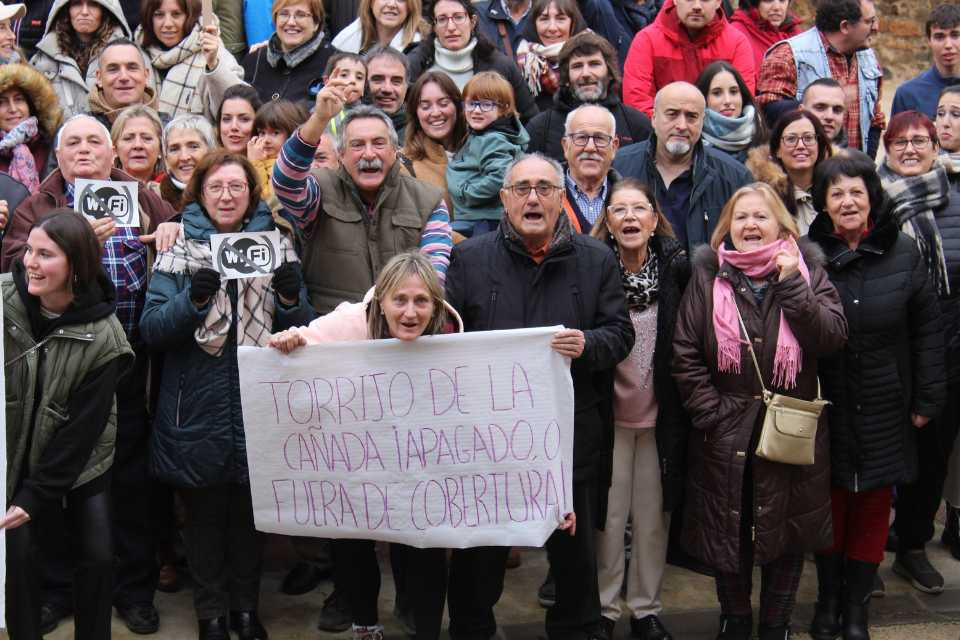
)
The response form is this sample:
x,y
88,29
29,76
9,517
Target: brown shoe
x,y
169,581
514,559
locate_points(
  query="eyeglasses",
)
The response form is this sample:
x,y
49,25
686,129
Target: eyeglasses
x,y
600,140
298,16
485,106
621,211
522,190
791,140
235,189
458,19
919,143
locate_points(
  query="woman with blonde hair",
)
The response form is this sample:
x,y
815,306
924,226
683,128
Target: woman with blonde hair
x,y
136,135
742,510
405,303
388,23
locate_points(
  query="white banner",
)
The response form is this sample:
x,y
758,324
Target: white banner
x,y
457,440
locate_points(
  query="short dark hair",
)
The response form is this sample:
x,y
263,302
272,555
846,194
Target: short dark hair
x,y
192,8
824,148
852,164
830,13
75,237
568,8
214,160
121,42
337,58
952,88
282,115
944,16
823,82
381,51
587,43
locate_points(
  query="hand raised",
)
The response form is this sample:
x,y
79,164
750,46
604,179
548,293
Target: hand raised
x,y
330,101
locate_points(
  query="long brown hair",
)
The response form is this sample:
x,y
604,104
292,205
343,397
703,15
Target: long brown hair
x,y
190,7
73,47
73,234
368,24
413,146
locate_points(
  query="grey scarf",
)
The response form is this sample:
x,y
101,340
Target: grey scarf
x,y
275,52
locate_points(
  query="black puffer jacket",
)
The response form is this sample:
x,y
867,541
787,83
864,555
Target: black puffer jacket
x,y
495,284
485,58
546,129
892,365
300,83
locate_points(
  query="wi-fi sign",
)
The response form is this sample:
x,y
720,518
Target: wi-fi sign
x,y
98,199
246,255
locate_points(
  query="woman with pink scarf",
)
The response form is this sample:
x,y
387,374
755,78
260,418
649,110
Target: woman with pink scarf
x,y
741,510
29,117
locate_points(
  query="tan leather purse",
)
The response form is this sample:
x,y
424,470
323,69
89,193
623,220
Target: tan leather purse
x,y
789,432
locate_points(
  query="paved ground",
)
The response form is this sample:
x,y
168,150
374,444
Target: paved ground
x,y
689,600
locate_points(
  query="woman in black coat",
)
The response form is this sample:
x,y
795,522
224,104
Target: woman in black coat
x,y
886,383
650,425
457,48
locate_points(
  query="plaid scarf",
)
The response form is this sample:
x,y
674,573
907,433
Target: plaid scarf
x,y
275,52
914,200
15,143
562,234
181,68
255,296
641,288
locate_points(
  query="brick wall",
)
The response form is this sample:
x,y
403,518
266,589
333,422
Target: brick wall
x,y
902,47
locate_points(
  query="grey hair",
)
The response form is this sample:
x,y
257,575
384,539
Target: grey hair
x,y
381,51
190,122
74,118
536,155
359,113
573,114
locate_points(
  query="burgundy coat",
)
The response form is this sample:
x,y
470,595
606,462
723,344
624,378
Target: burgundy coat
x,y
791,504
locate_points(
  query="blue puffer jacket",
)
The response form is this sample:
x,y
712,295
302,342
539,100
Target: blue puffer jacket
x,y
198,438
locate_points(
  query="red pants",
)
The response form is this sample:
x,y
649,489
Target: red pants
x,y
860,523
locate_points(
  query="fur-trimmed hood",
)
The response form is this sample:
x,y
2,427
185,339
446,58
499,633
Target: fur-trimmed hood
x,y
765,169
705,256
43,99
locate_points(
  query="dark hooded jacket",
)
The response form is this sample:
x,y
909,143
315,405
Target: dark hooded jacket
x,y
787,506
296,76
893,362
546,128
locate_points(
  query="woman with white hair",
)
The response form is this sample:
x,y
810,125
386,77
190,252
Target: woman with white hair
x,y
186,139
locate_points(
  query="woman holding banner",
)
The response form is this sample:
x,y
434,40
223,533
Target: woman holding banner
x,y
405,303
65,350
198,320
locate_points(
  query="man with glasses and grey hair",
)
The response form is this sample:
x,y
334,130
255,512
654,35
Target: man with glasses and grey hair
x,y
358,217
691,182
589,145
535,271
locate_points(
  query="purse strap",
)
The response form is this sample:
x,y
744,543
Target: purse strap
x,y
766,393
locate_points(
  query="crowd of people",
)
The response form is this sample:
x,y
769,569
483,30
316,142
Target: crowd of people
x,y
690,189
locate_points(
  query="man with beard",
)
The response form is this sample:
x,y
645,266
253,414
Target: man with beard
x,y
589,145
691,182
589,74
387,84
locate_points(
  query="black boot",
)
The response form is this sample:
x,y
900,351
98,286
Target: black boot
x,y
856,601
826,616
951,532
735,628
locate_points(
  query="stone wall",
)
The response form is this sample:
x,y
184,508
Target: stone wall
x,y
902,46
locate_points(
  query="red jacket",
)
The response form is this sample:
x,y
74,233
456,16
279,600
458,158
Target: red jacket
x,y
761,34
663,53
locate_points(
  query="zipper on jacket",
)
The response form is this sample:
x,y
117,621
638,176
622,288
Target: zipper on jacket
x,y
856,482
493,308
179,398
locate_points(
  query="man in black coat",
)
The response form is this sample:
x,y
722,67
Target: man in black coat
x,y
535,271
691,182
589,74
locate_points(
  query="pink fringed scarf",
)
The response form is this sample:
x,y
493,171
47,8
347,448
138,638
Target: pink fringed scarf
x,y
754,264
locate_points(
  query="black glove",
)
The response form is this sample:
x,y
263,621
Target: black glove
x,y
286,281
205,283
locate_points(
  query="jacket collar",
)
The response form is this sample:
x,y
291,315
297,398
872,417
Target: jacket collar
x,y
674,30
878,241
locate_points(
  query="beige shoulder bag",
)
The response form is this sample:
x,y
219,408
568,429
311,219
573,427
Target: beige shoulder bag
x,y
789,432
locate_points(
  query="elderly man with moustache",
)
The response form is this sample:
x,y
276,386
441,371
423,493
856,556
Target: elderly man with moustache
x,y
691,182
535,271
589,145
83,150
359,216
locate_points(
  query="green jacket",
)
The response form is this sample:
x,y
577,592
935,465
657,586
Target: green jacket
x,y
41,377
346,248
232,33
